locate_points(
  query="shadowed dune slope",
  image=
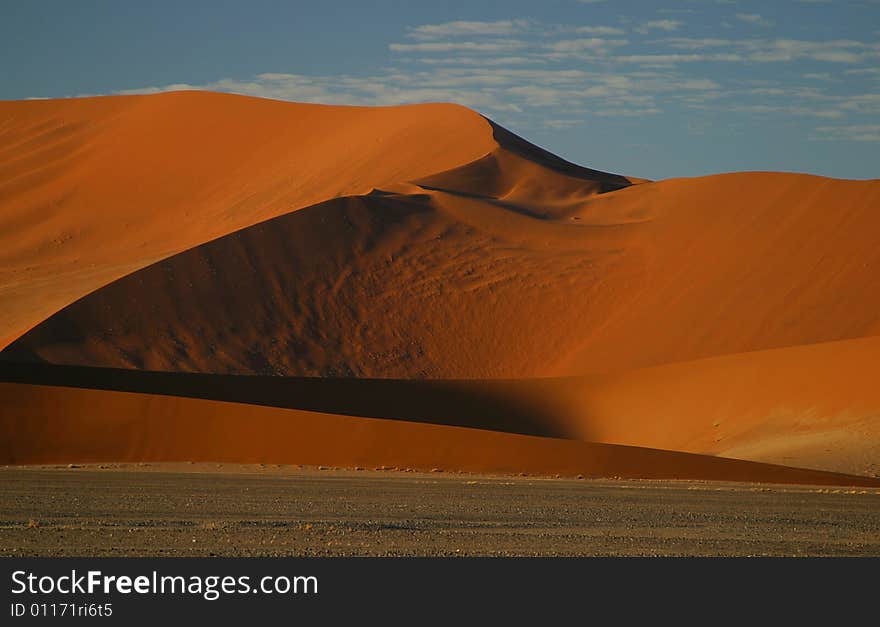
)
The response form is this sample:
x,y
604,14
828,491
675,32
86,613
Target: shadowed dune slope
x,y
53,425
526,407
434,280
815,406
92,189
383,285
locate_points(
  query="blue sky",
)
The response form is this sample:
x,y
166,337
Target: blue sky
x,y
653,89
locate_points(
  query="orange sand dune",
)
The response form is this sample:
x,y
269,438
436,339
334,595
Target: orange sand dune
x,y
94,188
815,406
736,263
52,425
374,286
485,287
516,181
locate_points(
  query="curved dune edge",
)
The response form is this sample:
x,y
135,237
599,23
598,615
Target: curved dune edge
x,y
542,277
474,290
42,424
93,189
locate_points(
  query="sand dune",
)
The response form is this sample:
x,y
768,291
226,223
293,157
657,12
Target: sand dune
x,y
796,406
740,262
815,406
314,290
54,425
484,287
94,188
500,290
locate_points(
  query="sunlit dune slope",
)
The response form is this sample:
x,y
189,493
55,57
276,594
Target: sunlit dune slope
x,y
440,279
94,188
736,263
813,406
53,425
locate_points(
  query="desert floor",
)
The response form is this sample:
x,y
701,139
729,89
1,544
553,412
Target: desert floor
x,y
258,510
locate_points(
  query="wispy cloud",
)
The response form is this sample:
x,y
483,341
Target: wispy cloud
x,y
462,28
754,18
498,45
861,103
599,30
875,71
596,44
781,50
559,125
786,109
851,133
484,60
627,112
662,25
506,90
673,59
819,76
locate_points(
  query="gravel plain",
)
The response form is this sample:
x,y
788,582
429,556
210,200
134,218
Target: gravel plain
x,y
229,510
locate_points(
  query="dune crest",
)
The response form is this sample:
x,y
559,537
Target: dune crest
x,y
95,188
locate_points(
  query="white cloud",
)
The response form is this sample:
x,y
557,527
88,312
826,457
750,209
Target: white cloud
x,y
498,45
664,25
154,90
486,61
672,59
627,112
783,109
754,18
690,43
819,76
780,50
861,103
559,125
384,90
599,30
837,51
851,133
864,70
462,28
497,90
539,96
595,44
